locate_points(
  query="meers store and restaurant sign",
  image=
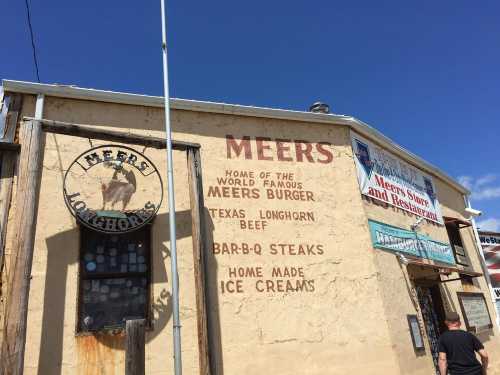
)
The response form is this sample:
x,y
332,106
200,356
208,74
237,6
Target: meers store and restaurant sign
x,y
113,189
387,178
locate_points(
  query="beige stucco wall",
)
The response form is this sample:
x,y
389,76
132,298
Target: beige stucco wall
x,y
281,333
353,321
52,346
395,279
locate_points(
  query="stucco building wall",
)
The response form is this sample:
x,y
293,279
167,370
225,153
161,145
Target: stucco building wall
x,y
396,283
350,317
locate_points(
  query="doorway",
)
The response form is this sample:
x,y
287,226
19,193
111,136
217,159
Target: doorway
x,y
431,305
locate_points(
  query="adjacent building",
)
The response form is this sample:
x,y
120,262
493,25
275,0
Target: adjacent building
x,y
490,242
328,248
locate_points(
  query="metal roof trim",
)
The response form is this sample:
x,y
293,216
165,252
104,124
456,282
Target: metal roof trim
x,y
74,92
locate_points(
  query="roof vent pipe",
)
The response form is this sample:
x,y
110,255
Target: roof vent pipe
x,y
320,107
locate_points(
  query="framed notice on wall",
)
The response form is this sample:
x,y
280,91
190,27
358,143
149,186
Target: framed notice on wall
x,y
416,335
475,311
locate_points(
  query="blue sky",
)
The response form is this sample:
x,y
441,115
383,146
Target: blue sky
x,y
426,73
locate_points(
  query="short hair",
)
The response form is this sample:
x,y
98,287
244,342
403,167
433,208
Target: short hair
x,y
452,317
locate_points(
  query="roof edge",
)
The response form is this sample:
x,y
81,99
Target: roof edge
x,y
74,92
488,232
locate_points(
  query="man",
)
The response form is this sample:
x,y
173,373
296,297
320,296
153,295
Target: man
x,y
457,350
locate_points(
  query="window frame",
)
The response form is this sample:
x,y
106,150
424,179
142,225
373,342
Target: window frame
x,y
470,328
461,258
82,275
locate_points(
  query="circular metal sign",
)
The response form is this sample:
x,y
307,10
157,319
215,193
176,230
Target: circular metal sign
x,y
113,189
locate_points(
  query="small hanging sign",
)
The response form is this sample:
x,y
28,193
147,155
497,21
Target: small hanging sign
x,y
113,189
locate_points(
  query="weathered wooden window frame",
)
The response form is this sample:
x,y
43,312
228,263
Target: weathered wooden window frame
x,y
461,257
32,143
114,275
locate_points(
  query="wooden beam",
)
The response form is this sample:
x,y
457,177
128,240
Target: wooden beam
x,y
32,141
95,132
14,103
8,146
199,251
8,164
135,347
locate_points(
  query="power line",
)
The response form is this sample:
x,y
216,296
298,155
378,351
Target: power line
x,y
32,39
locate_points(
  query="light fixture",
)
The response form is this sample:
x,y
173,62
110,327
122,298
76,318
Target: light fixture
x,y
402,259
416,226
473,212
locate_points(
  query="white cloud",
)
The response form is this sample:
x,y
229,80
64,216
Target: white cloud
x,y
486,193
482,187
486,179
492,225
465,181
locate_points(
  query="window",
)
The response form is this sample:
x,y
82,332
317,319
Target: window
x,y
453,229
114,278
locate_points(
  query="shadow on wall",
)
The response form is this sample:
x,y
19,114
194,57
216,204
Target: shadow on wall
x,y
59,261
211,280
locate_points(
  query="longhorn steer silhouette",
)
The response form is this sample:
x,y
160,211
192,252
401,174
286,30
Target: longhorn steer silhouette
x,y
115,190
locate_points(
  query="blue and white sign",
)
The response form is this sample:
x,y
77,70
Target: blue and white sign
x,y
387,178
404,241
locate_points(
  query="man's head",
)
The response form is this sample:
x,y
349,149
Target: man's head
x,y
452,320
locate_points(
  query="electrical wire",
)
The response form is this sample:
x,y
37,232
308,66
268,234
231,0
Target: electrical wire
x,y
32,39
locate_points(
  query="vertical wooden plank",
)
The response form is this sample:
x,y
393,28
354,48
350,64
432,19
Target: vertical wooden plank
x,y
8,163
32,141
199,249
135,352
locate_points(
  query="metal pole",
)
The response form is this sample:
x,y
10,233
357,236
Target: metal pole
x,y
171,203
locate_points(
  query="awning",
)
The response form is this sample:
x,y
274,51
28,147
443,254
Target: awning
x,y
443,269
458,222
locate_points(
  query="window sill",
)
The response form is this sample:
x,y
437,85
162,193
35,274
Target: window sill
x,y
117,331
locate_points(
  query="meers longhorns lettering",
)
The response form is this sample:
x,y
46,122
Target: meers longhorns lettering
x,y
101,185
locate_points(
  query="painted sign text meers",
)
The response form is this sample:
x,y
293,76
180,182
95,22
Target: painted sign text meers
x,y
100,189
263,148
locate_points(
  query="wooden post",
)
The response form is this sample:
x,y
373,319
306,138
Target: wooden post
x,y
32,141
135,347
8,162
199,249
